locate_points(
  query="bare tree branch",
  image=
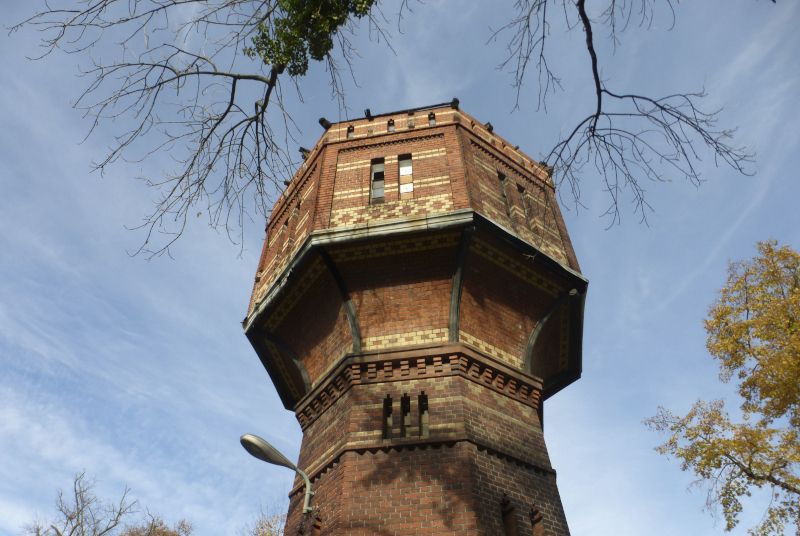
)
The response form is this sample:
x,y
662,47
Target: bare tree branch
x,y
629,139
83,514
178,79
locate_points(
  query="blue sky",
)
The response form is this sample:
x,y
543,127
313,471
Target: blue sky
x,y
138,372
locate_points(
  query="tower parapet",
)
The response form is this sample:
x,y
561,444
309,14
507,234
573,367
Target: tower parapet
x,y
416,301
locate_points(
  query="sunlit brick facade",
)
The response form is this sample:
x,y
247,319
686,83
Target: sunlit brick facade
x,y
416,301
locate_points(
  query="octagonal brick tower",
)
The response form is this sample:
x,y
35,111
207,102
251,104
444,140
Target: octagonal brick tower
x,y
416,301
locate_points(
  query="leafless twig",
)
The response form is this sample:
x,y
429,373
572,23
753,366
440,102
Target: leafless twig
x,y
628,139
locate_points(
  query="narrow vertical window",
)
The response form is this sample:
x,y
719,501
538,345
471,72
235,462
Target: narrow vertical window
x,y
404,161
390,126
502,180
406,176
405,410
431,119
510,526
351,131
387,417
377,182
424,421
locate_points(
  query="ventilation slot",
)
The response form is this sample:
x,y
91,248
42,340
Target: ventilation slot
x,y
405,409
510,526
424,425
387,417
536,522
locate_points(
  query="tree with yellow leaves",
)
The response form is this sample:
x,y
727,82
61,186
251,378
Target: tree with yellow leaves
x,y
155,526
269,522
79,512
754,333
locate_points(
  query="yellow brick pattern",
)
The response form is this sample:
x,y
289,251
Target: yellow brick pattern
x,y
489,349
404,339
394,209
346,166
350,194
428,154
303,220
267,270
307,191
433,181
485,165
545,245
515,267
275,236
395,247
298,240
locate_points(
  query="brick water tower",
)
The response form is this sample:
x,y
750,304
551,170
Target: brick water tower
x,y
416,302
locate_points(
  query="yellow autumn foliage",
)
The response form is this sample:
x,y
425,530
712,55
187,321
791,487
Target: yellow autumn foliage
x,y
754,333
155,526
270,522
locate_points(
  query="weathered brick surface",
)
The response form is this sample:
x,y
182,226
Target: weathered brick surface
x,y
456,163
532,211
432,192
316,325
475,462
401,287
483,439
504,295
451,488
291,221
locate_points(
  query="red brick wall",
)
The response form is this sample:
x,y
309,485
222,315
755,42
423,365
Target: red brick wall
x,y
532,211
291,221
431,178
456,164
483,444
400,287
451,489
504,295
484,440
314,322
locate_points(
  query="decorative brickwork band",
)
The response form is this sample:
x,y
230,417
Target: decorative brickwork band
x,y
314,474
441,361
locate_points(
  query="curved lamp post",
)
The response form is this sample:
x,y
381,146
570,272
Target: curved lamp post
x,y
262,450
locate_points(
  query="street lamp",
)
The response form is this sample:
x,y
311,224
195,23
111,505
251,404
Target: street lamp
x,y
262,450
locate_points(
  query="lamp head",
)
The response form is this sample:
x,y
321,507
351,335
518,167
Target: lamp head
x,y
262,450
